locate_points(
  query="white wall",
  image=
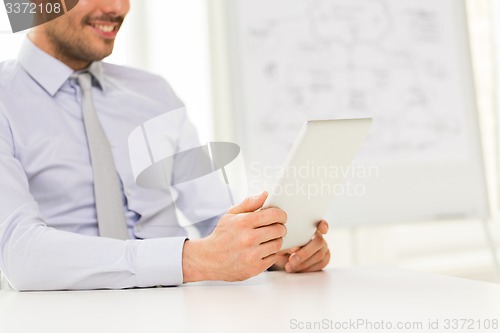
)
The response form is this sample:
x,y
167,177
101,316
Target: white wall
x,y
171,38
9,42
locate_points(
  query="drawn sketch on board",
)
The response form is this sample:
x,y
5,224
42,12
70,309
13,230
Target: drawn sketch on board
x,y
313,59
404,63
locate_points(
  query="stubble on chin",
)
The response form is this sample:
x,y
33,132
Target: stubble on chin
x,y
77,44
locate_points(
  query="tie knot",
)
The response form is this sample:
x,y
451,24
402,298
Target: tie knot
x,y
84,80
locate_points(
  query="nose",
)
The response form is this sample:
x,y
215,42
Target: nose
x,y
115,7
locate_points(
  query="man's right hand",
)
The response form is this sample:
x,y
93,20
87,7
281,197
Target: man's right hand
x,y
243,244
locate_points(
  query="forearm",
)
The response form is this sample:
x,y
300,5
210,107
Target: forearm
x,y
36,257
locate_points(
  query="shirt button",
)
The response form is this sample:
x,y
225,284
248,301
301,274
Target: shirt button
x,y
128,192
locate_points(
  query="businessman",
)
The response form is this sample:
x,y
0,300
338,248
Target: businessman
x,y
66,179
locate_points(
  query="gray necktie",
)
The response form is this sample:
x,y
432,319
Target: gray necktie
x,y
108,196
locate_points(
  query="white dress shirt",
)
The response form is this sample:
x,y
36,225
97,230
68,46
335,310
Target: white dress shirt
x,y
48,223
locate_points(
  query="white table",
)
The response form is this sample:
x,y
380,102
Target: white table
x,y
271,302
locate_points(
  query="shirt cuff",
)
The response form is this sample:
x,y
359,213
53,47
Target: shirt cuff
x,y
159,262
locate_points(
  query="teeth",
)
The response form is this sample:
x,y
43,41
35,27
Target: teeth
x,y
105,28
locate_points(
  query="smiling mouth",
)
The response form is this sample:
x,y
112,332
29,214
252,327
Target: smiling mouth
x,y
105,26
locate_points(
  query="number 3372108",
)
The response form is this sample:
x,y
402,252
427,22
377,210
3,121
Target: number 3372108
x,y
471,324
33,8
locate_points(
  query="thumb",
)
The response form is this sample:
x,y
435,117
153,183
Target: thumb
x,y
250,204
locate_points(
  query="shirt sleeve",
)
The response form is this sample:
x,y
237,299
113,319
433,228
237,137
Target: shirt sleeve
x,y
34,256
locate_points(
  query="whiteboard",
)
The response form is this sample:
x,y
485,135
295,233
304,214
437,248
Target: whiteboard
x,y
404,63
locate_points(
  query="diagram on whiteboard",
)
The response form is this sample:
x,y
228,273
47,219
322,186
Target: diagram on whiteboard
x,y
316,59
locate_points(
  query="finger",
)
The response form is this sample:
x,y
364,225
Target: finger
x,y
250,204
318,266
323,227
316,243
270,232
290,250
266,217
269,261
313,260
281,261
271,247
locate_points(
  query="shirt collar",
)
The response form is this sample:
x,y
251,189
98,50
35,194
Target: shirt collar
x,y
49,72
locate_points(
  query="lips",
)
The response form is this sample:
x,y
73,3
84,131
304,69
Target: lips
x,y
105,29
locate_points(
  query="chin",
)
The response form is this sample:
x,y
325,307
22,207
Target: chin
x,y
100,53
105,54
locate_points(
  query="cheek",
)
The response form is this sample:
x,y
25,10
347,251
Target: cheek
x,y
66,25
68,34
126,7
84,6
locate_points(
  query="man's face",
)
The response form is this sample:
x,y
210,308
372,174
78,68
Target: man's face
x,y
87,32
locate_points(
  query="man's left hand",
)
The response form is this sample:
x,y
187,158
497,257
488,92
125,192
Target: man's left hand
x,y
314,256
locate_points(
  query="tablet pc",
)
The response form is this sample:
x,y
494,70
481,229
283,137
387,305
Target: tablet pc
x,y
314,167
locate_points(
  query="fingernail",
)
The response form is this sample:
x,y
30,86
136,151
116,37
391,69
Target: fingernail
x,y
295,259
